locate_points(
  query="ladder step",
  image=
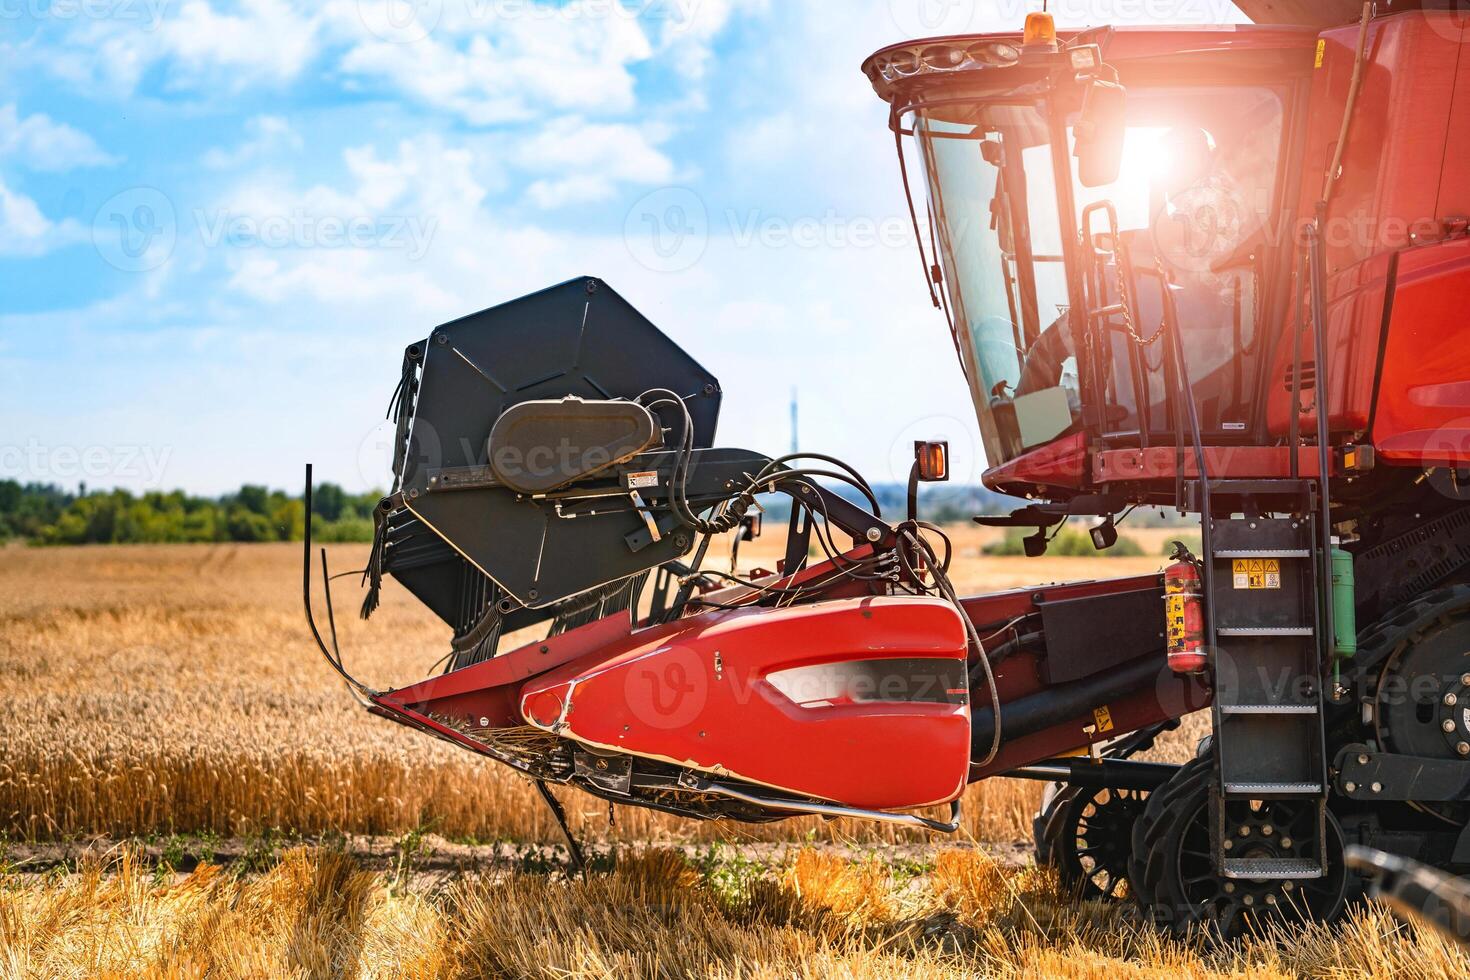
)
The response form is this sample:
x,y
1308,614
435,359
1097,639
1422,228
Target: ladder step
x,y
1260,790
1265,631
1277,868
1263,553
1268,709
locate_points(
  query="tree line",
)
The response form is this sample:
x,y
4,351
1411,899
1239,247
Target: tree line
x,y
47,514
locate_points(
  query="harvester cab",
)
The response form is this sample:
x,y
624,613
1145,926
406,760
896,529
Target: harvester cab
x,y
1080,193
1131,236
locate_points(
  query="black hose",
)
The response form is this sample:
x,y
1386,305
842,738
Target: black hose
x,y
1055,705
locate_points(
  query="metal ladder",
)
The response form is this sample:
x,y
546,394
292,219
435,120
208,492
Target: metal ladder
x,y
1271,647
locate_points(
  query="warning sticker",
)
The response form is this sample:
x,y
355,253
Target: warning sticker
x,y
643,480
1321,50
1256,573
1103,717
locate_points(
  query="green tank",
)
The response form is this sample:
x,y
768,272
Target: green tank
x,y
1344,605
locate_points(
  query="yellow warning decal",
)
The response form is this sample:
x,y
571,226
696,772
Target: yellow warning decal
x,y
1256,573
1174,618
1103,717
1321,49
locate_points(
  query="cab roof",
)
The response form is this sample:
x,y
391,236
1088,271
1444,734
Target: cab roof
x,y
935,59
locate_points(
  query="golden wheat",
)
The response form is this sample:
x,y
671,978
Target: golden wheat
x,y
317,914
174,689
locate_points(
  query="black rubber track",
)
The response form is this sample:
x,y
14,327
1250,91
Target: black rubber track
x,y
1183,828
1182,781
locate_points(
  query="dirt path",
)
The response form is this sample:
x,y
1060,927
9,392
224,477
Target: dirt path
x,y
434,856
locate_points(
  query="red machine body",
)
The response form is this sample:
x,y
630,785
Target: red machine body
x,y
829,699
861,701
1397,258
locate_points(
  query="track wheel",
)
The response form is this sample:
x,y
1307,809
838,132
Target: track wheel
x,y
1088,837
1183,889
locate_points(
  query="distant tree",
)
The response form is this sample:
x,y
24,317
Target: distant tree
x,y
242,524
329,500
254,499
10,497
289,519
46,514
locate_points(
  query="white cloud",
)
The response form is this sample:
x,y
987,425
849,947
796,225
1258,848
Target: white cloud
x,y
688,29
584,162
409,203
41,143
565,191
264,135
25,231
486,62
197,47
269,40
490,69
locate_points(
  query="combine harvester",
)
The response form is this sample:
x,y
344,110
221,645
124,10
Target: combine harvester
x,y
1221,269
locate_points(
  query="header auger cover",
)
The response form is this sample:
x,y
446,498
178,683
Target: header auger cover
x,y
517,428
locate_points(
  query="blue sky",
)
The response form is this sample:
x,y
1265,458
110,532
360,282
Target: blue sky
x,y
220,223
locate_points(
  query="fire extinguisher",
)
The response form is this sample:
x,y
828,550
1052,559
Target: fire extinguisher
x,y
1184,614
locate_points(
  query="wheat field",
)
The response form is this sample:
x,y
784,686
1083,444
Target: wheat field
x,y
171,693
174,689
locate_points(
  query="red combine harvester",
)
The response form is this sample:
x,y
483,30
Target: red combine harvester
x,y
1216,269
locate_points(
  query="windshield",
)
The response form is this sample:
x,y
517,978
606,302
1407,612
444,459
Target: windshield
x,y
991,180
1193,200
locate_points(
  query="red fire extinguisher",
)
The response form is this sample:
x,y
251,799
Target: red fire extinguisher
x,y
1184,614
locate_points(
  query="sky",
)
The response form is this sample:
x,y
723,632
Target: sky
x,y
221,223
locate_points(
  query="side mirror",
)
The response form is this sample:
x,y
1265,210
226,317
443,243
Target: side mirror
x,y
1100,128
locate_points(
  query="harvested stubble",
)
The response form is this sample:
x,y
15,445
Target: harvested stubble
x,y
174,689
317,914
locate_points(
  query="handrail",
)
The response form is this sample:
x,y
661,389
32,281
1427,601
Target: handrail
x,y
1318,295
